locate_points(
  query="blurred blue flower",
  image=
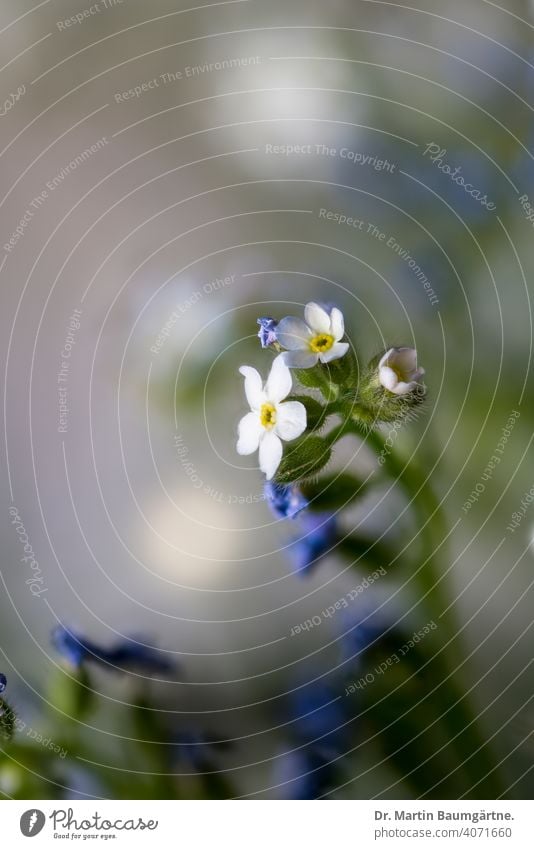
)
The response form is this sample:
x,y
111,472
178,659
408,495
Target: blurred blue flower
x,y
301,775
360,632
319,716
285,500
267,331
131,654
3,682
319,533
128,654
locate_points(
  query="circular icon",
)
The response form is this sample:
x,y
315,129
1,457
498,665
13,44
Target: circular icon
x,y
32,822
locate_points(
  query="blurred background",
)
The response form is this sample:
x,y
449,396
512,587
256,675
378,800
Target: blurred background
x,y
169,174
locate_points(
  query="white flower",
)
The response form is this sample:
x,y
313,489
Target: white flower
x,y
398,372
312,340
270,420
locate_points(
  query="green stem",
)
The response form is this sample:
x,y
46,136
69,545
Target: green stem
x,y
346,426
432,524
460,718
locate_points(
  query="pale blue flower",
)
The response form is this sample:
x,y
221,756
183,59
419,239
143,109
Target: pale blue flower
x,y
285,500
318,537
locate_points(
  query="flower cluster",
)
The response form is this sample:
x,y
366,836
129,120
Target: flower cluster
x,y
398,371
316,352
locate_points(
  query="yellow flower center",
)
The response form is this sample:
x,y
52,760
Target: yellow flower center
x,y
321,343
268,415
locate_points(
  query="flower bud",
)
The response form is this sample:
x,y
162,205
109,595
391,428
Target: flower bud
x,y
267,331
390,387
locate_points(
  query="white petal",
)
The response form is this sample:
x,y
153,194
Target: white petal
x,y
279,382
253,387
300,359
290,420
317,318
337,324
292,333
388,378
270,454
249,431
339,349
403,361
406,359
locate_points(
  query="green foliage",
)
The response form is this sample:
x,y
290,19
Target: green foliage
x,y
303,459
7,721
422,723
72,692
136,759
333,491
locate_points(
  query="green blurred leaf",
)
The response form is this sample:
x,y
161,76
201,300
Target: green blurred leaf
x,y
360,549
72,693
333,491
422,723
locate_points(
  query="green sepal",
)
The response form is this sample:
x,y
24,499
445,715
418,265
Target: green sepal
x,y
419,720
303,460
312,378
333,491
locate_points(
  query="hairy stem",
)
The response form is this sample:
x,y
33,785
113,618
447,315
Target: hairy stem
x,y
474,757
